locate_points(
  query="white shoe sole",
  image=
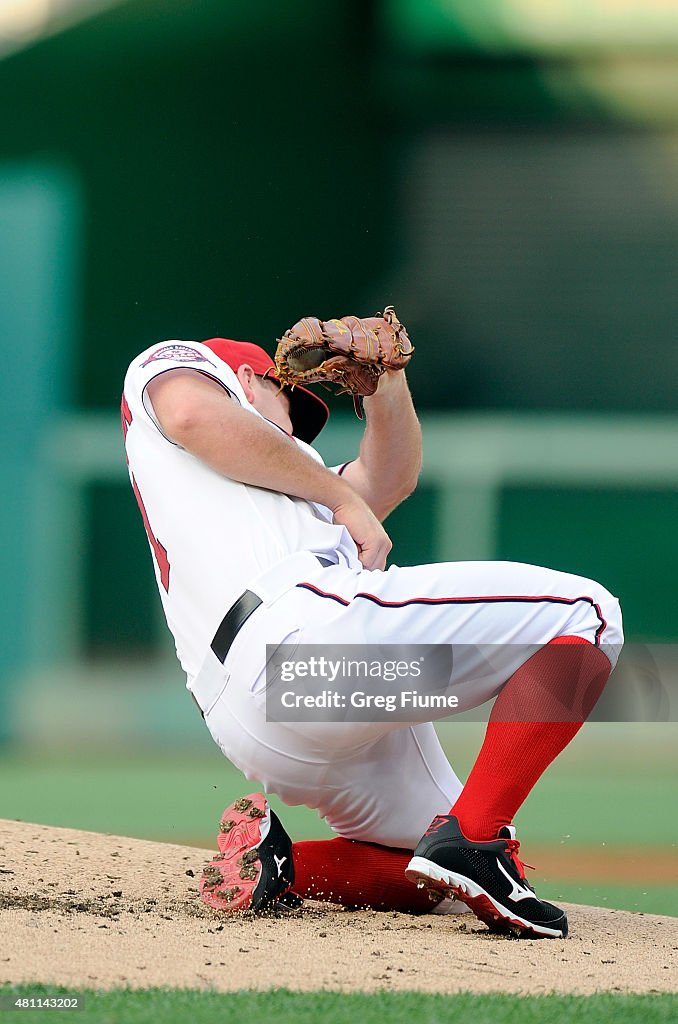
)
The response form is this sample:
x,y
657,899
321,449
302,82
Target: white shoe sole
x,y
485,907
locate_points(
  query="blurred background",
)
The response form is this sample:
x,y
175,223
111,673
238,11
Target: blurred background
x,y
506,173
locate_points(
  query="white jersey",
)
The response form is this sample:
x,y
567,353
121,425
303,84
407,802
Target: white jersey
x,y
211,537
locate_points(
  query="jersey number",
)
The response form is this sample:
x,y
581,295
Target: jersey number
x,y
159,550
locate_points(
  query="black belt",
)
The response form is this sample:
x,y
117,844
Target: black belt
x,y
236,617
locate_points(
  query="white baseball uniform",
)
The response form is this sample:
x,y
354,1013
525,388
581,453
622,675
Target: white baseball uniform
x,y
212,538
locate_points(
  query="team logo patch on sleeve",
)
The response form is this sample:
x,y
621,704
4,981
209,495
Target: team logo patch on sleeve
x,y
179,353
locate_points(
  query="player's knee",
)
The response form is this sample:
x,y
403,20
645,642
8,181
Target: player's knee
x,y
612,614
611,630
616,619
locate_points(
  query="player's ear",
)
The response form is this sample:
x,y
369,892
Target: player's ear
x,y
246,376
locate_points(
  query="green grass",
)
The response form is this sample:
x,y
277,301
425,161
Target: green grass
x,y
176,798
170,1006
179,800
637,896
614,784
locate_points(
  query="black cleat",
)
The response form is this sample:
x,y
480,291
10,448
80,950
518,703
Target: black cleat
x,y
488,877
254,868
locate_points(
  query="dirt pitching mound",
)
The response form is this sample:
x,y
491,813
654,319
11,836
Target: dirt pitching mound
x,y
81,909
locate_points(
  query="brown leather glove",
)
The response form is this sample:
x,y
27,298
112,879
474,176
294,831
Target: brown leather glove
x,y
351,352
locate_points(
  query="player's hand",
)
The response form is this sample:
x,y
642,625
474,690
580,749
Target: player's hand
x,y
370,537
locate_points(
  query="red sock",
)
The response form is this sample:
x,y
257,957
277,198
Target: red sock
x,y
356,875
540,709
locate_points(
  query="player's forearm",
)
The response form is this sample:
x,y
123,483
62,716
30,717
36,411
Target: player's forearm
x,y
392,468
266,458
244,447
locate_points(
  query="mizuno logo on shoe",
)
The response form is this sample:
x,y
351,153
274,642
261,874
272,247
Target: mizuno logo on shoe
x,y
518,892
434,826
279,861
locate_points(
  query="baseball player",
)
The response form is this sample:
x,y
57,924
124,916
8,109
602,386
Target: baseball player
x,y
256,542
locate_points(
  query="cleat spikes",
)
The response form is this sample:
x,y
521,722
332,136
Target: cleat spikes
x,y
246,873
212,876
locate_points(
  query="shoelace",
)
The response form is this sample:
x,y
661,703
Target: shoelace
x,y
512,847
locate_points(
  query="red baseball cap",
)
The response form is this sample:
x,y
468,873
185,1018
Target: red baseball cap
x,y
308,412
